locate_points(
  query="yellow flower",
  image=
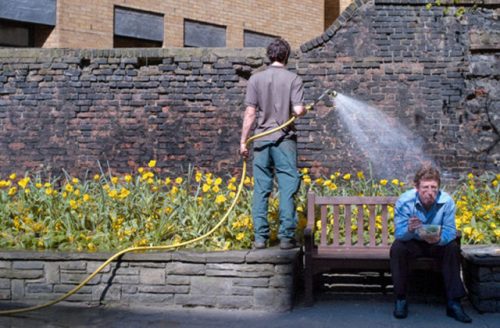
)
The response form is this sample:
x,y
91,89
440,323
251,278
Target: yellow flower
x,y
470,176
231,187
113,193
205,187
307,179
97,177
24,182
4,183
198,176
12,191
91,247
401,184
361,175
174,190
300,209
332,186
128,178
124,192
150,181
48,191
495,183
68,188
152,163
468,231
220,199
395,182
493,225
232,194
86,197
76,192
215,189
383,182
13,176
240,236
247,181
218,181
140,170
168,181
179,180
114,180
318,225
38,185
305,171
347,176
73,204
75,180
319,181
497,233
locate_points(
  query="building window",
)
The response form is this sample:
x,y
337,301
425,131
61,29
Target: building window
x,y
134,28
255,39
203,35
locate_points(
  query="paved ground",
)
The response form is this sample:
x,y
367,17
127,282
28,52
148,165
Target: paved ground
x,y
330,311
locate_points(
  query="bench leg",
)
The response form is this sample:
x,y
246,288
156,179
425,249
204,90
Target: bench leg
x,y
309,285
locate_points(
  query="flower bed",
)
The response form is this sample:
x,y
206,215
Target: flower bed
x,y
108,212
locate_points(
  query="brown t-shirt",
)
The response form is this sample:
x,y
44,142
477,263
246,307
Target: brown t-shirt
x,y
273,93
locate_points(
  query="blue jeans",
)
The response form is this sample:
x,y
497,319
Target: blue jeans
x,y
280,158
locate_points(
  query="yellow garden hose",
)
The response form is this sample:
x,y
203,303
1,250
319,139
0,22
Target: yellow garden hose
x,y
165,247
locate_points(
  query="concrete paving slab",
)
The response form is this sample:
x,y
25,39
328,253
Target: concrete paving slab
x,y
337,311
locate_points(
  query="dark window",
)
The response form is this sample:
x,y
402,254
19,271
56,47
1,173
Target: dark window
x,y
255,39
200,34
30,11
134,28
17,34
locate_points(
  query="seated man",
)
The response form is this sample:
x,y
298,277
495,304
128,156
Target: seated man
x,y
416,208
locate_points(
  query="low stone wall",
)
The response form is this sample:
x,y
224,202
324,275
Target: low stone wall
x,y
481,270
259,280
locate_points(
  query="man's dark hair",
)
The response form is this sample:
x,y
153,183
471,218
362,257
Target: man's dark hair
x,y
278,50
427,172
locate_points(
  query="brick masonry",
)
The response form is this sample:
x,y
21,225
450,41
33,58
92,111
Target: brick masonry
x,y
259,280
434,73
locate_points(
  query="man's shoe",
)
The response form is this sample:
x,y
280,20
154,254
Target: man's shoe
x,y
455,310
259,244
287,243
400,309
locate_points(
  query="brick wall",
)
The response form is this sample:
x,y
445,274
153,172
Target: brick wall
x,y
63,108
89,24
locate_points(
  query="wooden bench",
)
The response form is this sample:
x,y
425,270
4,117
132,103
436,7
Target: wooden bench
x,y
339,246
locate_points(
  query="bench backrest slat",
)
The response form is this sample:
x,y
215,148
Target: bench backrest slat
x,y
324,224
385,226
347,225
360,227
372,224
346,207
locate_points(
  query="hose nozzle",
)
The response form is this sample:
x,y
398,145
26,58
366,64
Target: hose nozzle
x,y
328,92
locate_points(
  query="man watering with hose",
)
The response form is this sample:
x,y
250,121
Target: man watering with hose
x,y
272,97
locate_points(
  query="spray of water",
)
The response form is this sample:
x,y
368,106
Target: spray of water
x,y
392,149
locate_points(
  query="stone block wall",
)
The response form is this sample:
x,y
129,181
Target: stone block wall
x,y
259,280
481,274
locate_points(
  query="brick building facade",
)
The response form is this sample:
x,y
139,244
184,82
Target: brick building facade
x,y
129,23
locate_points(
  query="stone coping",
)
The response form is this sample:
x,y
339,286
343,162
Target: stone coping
x,y
485,255
269,255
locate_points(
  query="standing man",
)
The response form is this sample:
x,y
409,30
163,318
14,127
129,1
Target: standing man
x,y
272,97
416,208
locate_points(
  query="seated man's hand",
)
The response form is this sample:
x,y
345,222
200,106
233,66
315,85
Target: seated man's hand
x,y
413,224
